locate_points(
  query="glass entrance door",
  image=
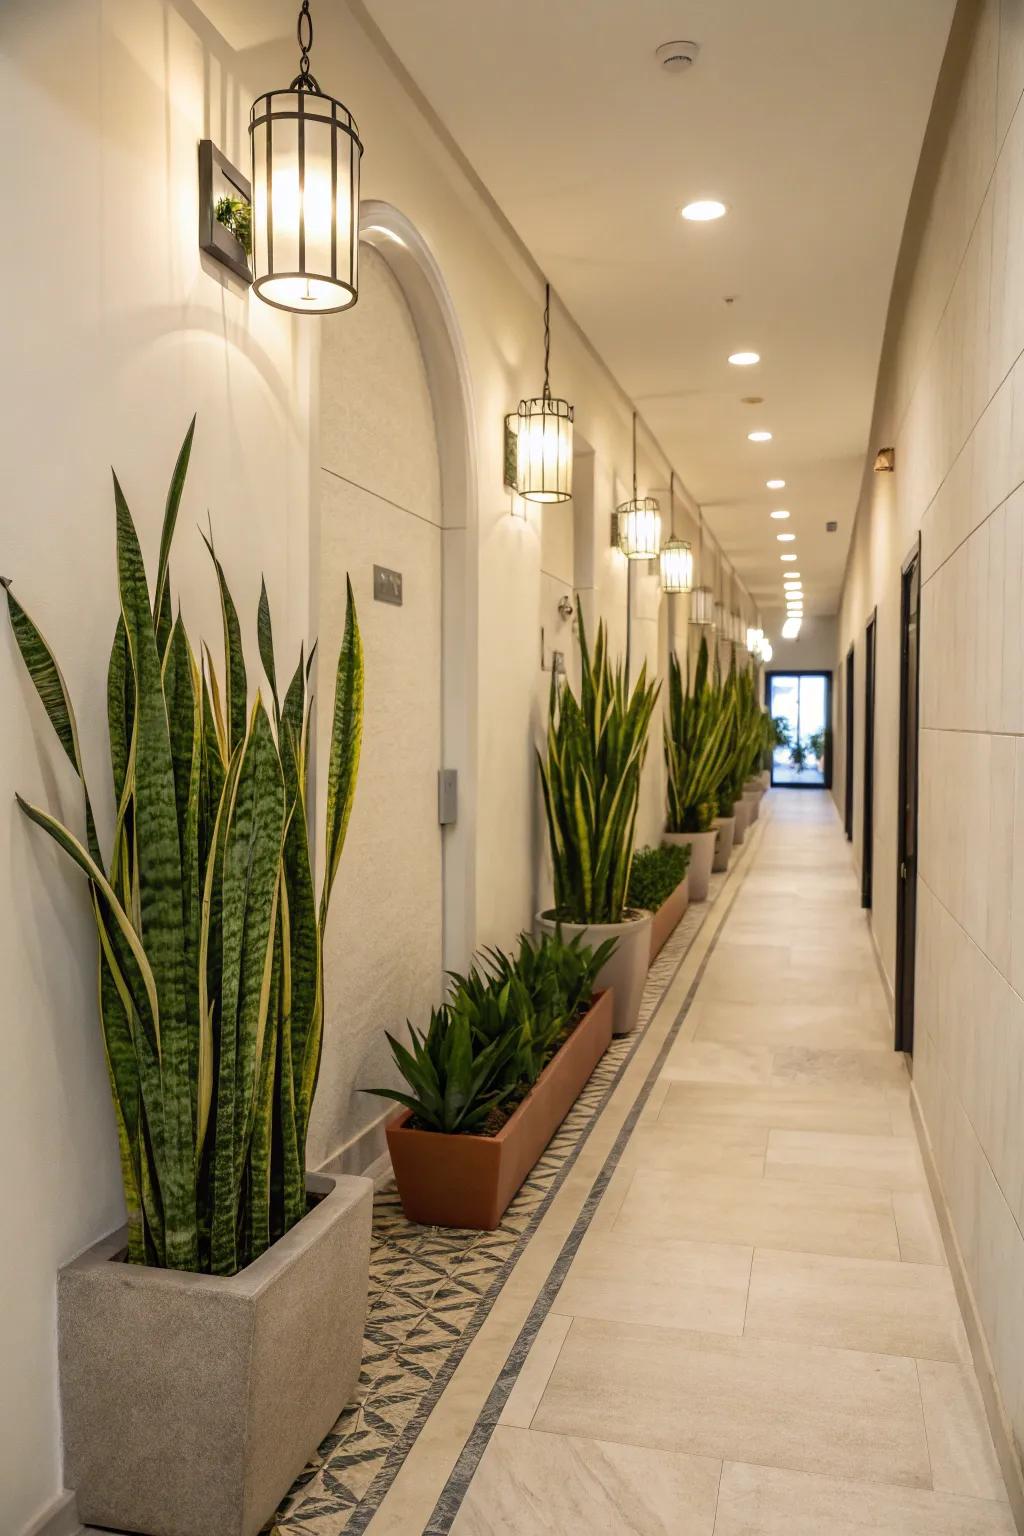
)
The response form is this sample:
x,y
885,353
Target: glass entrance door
x,y
800,704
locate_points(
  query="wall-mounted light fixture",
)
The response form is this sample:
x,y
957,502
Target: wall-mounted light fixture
x,y
767,651
638,521
755,640
538,437
702,599
676,554
885,461
305,182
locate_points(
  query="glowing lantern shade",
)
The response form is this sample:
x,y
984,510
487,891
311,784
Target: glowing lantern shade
x,y
638,521
676,554
544,436
305,194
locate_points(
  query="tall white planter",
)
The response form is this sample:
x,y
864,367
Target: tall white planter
x,y
626,971
724,826
702,853
741,812
752,798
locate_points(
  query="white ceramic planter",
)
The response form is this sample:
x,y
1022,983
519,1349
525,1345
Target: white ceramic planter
x,y
741,813
752,797
724,826
702,853
626,971
190,1403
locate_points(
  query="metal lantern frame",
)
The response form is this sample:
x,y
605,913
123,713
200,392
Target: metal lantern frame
x,y
676,554
702,599
304,110
543,429
638,521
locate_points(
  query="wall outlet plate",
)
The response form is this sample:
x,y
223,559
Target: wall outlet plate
x,y
387,586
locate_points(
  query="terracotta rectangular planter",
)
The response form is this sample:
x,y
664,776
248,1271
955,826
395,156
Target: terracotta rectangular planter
x,y
469,1181
669,915
191,1402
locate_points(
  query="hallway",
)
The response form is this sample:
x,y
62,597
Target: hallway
x,y
758,1332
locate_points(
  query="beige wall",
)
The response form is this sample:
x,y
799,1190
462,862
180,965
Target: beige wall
x,y
951,400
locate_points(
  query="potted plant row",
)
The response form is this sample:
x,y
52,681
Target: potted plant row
x,y
590,777
207,1347
697,755
493,1076
659,882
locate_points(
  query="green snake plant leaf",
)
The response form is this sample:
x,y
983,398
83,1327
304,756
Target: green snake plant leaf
x,y
346,740
162,594
48,681
265,640
235,682
158,869
120,707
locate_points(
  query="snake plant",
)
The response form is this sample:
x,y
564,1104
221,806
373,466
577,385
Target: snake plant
x,y
590,776
697,746
210,968
748,730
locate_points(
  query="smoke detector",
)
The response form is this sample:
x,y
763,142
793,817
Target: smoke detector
x,y
677,58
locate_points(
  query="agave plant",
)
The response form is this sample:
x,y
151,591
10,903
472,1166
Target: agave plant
x,y
210,983
454,1084
590,777
697,746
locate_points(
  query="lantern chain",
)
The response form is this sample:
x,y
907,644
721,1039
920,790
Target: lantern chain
x,y
304,81
547,341
634,456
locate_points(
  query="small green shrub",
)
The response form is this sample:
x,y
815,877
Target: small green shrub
x,y
655,875
502,1023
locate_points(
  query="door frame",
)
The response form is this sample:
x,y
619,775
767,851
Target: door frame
x,y
906,865
804,672
867,852
849,715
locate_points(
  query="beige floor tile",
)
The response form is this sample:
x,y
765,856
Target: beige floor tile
x,y
765,1501
815,1027
797,1108
880,1306
525,1396
918,1228
531,1484
730,1149
875,1068
835,1411
713,1061
959,1442
874,1162
688,1285
764,1213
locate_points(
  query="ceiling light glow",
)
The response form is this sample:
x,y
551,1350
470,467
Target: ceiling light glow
x,y
744,359
779,515
704,210
787,557
785,538
776,485
759,437
791,629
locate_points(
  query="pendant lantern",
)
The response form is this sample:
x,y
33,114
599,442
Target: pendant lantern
x,y
544,436
676,554
305,193
638,521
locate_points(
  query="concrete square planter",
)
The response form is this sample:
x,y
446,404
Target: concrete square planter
x,y
469,1181
192,1402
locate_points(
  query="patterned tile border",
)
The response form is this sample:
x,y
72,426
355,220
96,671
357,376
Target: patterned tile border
x,y
432,1288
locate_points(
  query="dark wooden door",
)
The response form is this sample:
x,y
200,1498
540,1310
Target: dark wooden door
x,y
848,787
906,892
868,848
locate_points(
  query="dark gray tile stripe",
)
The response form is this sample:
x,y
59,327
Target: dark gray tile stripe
x,y
454,1491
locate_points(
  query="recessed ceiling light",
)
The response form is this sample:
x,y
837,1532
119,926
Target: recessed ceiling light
x,y
704,210
791,575
787,557
780,516
776,485
785,538
744,359
759,437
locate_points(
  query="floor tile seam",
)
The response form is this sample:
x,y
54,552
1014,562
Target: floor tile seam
x,y
452,1494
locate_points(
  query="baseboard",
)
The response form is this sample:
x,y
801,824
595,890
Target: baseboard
x,y
60,1518
998,1421
363,1152
890,999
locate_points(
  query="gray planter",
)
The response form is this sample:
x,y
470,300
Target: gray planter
x,y
725,826
702,853
192,1402
752,798
626,971
741,818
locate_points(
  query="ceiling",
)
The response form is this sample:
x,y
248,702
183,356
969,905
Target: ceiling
x,y
805,117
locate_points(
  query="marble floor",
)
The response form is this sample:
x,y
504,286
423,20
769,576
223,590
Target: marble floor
x,y
737,1318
